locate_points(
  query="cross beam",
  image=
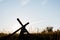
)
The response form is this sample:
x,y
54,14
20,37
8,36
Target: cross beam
x,y
21,22
23,29
19,28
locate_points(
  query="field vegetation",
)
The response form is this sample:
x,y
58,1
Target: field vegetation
x,y
44,35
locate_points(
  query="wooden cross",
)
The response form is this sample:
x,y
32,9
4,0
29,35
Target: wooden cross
x,y
23,30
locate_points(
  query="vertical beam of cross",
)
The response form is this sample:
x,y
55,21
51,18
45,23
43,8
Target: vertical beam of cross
x,y
19,21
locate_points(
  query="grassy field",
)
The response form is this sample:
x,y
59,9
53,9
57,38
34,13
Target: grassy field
x,y
33,36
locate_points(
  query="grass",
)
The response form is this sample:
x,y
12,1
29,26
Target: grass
x,y
33,36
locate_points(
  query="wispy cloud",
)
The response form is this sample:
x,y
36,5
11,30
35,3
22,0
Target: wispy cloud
x,y
1,0
24,2
44,2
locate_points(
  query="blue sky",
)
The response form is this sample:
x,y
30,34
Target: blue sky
x,y
40,13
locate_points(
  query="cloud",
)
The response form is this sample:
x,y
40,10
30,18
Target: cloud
x,y
1,0
44,2
24,2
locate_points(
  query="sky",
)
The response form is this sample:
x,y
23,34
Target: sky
x,y
39,13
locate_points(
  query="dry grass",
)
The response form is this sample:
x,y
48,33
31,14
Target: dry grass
x,y
34,36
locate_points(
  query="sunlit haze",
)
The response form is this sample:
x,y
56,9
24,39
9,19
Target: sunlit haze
x,y
39,14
